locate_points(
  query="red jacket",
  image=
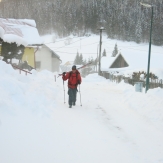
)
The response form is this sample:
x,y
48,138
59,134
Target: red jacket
x,y
73,78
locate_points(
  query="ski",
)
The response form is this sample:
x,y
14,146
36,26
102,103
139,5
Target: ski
x,y
79,67
84,65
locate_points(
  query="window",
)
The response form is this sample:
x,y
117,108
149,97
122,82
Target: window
x,y
38,64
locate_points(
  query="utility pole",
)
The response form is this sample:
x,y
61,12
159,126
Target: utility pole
x,y
149,55
99,66
97,59
149,52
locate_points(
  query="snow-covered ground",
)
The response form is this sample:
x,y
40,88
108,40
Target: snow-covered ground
x,y
114,124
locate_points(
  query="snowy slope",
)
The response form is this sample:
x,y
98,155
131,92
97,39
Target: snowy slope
x,y
114,124
136,55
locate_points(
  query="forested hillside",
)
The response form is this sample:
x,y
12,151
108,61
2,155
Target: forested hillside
x,y
122,19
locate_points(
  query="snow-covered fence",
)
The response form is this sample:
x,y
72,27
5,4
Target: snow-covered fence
x,y
20,70
153,83
156,83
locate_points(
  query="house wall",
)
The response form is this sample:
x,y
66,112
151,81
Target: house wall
x,y
55,64
29,56
45,61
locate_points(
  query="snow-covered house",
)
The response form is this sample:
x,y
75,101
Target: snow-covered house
x,y
67,66
126,64
47,59
20,33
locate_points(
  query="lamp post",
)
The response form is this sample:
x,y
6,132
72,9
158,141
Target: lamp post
x,y
97,58
100,44
149,52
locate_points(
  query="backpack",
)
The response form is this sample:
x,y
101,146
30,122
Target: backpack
x,y
70,73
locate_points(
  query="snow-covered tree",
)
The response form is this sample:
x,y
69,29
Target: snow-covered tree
x,y
77,59
138,31
65,17
115,51
81,59
104,53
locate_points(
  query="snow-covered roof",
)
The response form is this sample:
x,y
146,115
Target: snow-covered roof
x,y
69,63
21,31
53,52
106,62
137,62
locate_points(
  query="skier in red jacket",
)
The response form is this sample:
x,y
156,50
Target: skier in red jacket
x,y
74,79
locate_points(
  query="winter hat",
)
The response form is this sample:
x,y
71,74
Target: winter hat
x,y
73,67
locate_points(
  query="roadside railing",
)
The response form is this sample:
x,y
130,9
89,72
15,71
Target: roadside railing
x,y
153,83
26,72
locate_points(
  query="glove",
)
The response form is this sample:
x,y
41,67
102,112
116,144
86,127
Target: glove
x,y
79,82
63,73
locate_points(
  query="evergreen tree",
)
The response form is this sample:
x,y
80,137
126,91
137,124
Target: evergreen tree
x,y
81,59
90,59
65,17
12,50
85,71
104,53
115,51
84,61
77,59
138,31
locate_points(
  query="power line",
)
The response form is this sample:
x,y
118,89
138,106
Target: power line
x,y
107,51
78,46
70,43
128,47
61,40
87,44
73,53
137,49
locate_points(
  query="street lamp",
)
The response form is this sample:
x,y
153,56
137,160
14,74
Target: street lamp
x,y
97,58
149,53
99,66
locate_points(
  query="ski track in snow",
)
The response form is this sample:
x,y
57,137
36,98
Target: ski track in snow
x,y
115,115
108,127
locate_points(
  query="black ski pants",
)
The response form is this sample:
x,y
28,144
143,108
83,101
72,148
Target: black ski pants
x,y
72,95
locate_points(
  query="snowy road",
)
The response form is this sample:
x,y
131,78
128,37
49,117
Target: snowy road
x,y
109,127
115,124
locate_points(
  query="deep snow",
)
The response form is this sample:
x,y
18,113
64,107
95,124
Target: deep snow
x,y
114,124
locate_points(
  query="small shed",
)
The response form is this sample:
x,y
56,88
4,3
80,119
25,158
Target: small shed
x,y
119,62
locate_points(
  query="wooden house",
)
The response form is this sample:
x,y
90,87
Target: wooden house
x,y
119,62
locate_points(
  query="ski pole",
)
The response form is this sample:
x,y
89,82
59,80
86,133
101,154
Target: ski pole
x,y
64,91
80,95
